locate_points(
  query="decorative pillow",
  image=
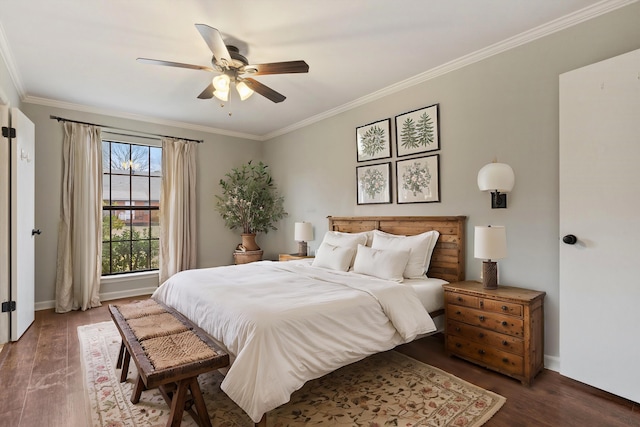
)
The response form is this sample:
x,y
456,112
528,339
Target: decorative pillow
x,y
420,247
333,257
349,240
338,238
383,264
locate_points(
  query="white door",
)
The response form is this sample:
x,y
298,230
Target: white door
x,y
22,150
4,224
600,205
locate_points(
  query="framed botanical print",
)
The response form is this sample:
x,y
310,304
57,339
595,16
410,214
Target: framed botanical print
x,y
374,183
418,179
417,131
373,141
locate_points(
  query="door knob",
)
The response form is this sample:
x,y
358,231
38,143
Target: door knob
x,y
570,239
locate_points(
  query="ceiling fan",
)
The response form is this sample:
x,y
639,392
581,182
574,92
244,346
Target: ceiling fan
x,y
234,69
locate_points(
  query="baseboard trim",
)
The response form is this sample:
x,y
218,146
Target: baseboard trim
x,y
108,296
552,363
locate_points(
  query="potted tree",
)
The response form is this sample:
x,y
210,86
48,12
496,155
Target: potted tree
x,y
250,202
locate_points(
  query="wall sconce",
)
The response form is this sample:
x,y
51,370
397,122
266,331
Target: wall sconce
x,y
499,179
303,234
490,243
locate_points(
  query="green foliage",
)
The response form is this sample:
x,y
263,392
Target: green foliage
x,y
131,252
409,134
250,200
373,141
425,130
130,249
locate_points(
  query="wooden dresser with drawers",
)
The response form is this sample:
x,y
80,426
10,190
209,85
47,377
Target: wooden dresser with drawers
x,y
501,329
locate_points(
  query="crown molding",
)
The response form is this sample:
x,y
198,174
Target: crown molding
x,y
551,27
559,24
7,57
130,116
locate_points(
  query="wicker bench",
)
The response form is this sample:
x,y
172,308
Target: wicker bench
x,y
169,352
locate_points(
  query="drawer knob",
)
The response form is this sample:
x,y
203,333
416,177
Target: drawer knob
x,y
458,345
504,342
481,351
505,308
459,299
505,360
505,323
481,335
458,312
481,318
457,328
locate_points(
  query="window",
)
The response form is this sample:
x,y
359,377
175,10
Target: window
x,y
131,182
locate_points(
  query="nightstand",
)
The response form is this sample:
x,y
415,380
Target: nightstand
x,y
501,329
291,257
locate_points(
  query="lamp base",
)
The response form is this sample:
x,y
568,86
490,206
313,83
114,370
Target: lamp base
x,y
302,249
489,275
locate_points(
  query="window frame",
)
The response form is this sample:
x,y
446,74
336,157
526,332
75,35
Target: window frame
x,y
109,210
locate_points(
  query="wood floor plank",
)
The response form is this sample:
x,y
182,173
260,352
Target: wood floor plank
x,y
41,382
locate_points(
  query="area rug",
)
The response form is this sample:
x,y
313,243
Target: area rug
x,y
386,389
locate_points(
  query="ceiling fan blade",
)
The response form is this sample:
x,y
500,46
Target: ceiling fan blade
x,y
174,64
263,90
208,92
277,68
214,40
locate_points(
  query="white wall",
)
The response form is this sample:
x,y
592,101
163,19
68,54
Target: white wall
x,y
215,157
506,107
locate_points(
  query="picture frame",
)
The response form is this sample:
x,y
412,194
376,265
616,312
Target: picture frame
x,y
373,141
373,184
418,179
418,131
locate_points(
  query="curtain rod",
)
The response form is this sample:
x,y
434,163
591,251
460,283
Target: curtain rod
x,y
62,119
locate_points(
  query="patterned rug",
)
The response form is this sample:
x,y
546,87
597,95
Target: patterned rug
x,y
384,389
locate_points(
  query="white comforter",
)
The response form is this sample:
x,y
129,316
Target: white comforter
x,y
287,323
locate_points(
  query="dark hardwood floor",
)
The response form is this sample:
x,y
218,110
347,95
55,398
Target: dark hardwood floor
x,y
41,382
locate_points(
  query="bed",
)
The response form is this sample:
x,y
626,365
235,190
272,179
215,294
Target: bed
x,y
285,323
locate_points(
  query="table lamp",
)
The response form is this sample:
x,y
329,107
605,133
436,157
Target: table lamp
x,y
490,244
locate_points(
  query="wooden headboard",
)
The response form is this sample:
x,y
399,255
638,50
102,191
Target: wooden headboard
x,y
447,261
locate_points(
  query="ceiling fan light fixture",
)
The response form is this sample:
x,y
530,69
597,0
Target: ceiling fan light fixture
x,y
243,90
221,83
222,95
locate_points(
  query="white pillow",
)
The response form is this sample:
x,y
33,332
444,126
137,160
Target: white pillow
x,y
333,257
420,247
383,264
349,240
338,238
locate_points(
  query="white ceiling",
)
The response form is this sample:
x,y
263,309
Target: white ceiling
x,y
82,54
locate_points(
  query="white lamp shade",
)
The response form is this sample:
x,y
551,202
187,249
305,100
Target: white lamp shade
x,y
221,95
490,242
221,82
303,232
496,177
243,90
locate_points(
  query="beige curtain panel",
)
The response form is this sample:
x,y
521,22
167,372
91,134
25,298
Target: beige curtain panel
x,y
79,231
177,207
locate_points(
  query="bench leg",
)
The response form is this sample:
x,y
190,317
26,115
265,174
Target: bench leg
x,y
137,390
201,408
177,403
125,366
121,355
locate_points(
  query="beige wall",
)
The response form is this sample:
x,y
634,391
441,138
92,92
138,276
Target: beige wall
x,y
506,107
215,156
